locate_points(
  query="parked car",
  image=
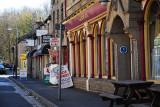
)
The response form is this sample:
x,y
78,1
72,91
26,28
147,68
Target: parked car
x,y
2,69
6,65
10,66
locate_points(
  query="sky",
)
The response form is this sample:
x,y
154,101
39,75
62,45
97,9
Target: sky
x,y
18,4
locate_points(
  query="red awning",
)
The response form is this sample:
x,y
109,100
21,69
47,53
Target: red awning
x,y
35,55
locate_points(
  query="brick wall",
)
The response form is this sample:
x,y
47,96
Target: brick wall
x,y
79,82
101,85
95,85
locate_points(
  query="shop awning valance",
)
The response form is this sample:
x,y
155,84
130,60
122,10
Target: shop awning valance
x,y
30,53
35,55
43,50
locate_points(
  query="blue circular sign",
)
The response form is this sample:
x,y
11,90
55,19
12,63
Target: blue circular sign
x,y
123,49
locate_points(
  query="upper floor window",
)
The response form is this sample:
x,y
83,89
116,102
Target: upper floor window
x,y
53,1
58,1
62,12
57,15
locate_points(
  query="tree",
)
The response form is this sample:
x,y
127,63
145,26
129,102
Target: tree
x,y
22,19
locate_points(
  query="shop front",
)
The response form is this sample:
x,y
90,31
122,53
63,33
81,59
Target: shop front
x,y
151,40
88,45
104,44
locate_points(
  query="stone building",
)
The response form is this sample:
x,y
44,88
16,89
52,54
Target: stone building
x,y
58,13
22,49
105,43
150,39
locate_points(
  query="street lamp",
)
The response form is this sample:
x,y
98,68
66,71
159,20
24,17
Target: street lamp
x,y
104,2
16,64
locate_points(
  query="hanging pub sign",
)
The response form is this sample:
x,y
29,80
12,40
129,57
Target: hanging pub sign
x,y
46,38
52,53
54,42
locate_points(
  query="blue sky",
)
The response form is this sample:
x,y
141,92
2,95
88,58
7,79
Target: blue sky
x,y
17,4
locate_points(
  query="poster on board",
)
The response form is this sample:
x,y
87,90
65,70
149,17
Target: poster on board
x,y
53,79
23,73
66,80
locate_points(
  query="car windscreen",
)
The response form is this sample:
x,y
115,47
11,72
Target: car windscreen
x,y
1,66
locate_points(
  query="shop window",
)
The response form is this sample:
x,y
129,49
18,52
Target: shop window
x,y
155,49
57,16
154,41
96,55
76,54
104,50
114,62
81,54
53,1
105,73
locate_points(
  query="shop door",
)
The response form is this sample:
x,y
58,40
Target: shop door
x,y
134,60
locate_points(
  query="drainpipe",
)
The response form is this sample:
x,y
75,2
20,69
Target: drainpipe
x,y
65,6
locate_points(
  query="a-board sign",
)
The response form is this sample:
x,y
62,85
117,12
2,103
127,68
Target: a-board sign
x,y
23,73
66,80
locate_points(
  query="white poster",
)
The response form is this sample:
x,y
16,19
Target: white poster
x,y
46,71
53,79
23,73
29,42
41,32
66,80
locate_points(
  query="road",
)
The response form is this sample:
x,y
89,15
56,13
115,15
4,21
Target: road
x,y
13,96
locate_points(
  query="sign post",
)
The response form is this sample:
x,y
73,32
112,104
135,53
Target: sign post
x,y
60,57
23,73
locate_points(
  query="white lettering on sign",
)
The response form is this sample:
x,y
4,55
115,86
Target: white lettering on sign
x,y
46,38
23,73
66,80
54,41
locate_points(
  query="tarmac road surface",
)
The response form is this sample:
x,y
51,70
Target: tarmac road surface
x,y
13,96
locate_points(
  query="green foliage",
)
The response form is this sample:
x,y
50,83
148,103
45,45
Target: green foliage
x,y
22,20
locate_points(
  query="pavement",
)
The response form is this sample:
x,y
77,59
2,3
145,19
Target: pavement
x,y
70,97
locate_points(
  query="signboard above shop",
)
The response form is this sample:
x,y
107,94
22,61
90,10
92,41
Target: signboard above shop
x,y
54,42
41,32
46,38
29,42
86,15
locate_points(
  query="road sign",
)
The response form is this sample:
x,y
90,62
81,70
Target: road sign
x,y
123,49
54,41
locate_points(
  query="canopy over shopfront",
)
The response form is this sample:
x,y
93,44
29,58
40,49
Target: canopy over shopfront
x,y
30,53
43,50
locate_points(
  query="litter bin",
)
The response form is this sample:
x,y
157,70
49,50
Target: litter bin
x,y
18,71
46,75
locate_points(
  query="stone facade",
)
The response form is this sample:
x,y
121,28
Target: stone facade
x,y
120,27
22,49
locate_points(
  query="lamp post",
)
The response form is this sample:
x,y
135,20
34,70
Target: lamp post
x,y
16,62
104,2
